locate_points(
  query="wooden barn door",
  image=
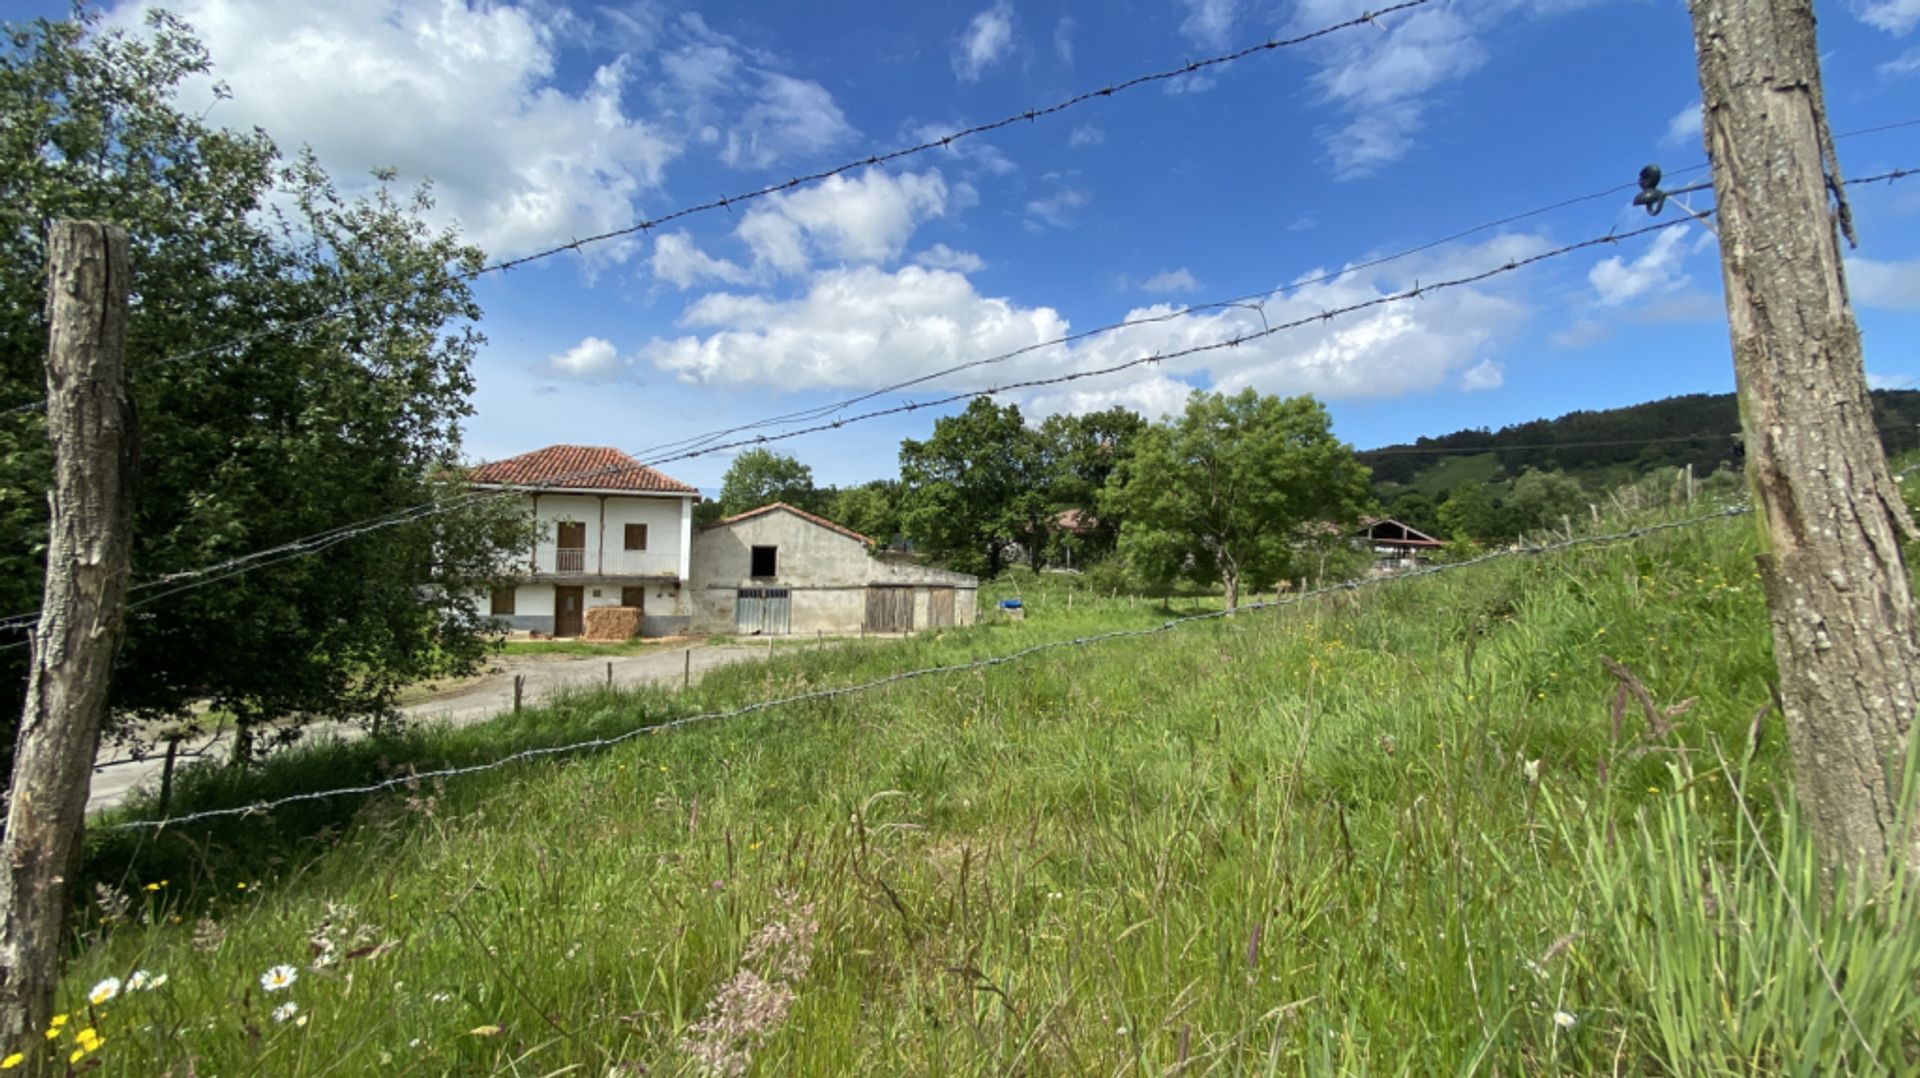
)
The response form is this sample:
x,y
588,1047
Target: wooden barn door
x,y
939,608
889,609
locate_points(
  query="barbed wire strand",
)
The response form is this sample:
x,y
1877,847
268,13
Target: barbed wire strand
x,y
729,202
899,677
298,548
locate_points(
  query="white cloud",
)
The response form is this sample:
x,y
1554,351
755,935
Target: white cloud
x,y
1086,135
863,327
1063,38
1209,22
678,261
1893,286
464,95
868,218
1684,128
1905,64
1385,81
593,359
1056,209
1173,280
1582,334
1656,270
1877,380
940,256
987,40
790,119
1894,16
1482,376
973,153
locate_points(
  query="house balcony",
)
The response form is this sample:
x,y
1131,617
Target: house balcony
x,y
580,562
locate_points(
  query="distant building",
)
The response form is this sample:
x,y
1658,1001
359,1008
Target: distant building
x,y
779,570
1396,546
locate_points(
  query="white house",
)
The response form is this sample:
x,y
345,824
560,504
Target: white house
x,y
610,531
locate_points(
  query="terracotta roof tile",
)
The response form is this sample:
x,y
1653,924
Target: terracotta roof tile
x,y
801,513
577,467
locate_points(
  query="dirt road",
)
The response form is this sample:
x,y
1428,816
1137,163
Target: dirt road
x,y
487,696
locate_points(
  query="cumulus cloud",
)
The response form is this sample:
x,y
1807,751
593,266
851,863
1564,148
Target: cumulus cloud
x,y
1893,16
679,262
789,119
1905,64
987,40
1086,135
593,359
868,218
1209,22
1893,286
1657,270
940,256
862,327
736,100
1482,376
1173,280
1063,38
1385,81
466,96
1684,128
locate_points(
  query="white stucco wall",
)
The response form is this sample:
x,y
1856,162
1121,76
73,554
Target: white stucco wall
x,y
607,565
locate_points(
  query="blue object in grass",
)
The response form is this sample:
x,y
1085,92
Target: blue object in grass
x,y
1009,604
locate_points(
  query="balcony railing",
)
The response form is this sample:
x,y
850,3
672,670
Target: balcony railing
x,y
568,560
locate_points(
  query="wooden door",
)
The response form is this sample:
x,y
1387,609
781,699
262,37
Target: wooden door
x,y
569,613
939,608
570,539
889,609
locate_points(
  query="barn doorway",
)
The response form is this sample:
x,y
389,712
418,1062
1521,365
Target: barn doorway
x,y
889,609
939,608
762,611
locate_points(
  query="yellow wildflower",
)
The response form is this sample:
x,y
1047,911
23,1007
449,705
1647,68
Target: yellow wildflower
x,y
13,1061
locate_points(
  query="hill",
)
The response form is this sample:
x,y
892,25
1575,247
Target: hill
x,y
1607,446
1400,829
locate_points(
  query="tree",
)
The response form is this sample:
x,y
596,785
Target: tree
x,y
328,412
1232,490
1543,499
872,509
759,476
976,488
1471,513
1083,452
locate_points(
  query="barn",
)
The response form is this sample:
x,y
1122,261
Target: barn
x,y
778,570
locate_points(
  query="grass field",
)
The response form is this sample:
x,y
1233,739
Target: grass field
x,y
1402,831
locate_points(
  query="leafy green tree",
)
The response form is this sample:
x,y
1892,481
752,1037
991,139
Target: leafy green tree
x,y
325,413
1542,499
872,509
1417,510
1471,513
759,476
1083,452
976,488
1232,490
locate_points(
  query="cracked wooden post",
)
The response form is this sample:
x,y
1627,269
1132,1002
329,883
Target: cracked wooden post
x,y
1831,521
82,612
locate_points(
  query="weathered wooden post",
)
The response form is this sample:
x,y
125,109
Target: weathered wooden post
x,y
1831,519
82,613
686,674
519,685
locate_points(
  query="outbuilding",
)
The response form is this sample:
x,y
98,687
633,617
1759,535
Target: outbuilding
x,y
778,570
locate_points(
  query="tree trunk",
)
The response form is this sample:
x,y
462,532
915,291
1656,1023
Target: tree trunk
x,y
90,426
1231,579
1832,521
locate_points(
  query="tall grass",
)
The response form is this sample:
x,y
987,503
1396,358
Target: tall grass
x,y
1394,832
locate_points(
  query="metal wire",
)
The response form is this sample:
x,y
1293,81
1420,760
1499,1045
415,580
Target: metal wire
x,y
915,674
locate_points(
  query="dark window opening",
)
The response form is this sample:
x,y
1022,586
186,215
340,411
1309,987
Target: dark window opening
x,y
636,537
503,602
635,597
765,562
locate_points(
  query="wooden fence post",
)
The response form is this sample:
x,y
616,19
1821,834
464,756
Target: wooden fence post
x,y
686,674
519,684
82,614
1830,517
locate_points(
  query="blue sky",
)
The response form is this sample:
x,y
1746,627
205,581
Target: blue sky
x,y
540,121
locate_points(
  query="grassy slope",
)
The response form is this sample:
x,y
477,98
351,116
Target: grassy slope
x,y
1297,841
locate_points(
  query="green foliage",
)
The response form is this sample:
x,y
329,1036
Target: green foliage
x,y
1543,500
976,487
872,509
759,476
292,433
1231,490
1083,453
1471,513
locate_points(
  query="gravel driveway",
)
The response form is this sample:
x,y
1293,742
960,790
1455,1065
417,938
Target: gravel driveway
x,y
489,695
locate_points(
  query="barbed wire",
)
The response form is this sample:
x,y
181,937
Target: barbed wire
x,y
1398,450
187,579
729,202
899,677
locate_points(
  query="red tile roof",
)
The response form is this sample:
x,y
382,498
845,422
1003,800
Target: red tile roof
x,y
577,467
801,513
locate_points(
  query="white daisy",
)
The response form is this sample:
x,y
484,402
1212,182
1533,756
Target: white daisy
x,y
104,991
277,978
285,1011
1564,1019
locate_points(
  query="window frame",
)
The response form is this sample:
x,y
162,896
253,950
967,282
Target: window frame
x,y
627,534
772,555
494,604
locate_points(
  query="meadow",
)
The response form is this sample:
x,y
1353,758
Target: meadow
x,y
1530,817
